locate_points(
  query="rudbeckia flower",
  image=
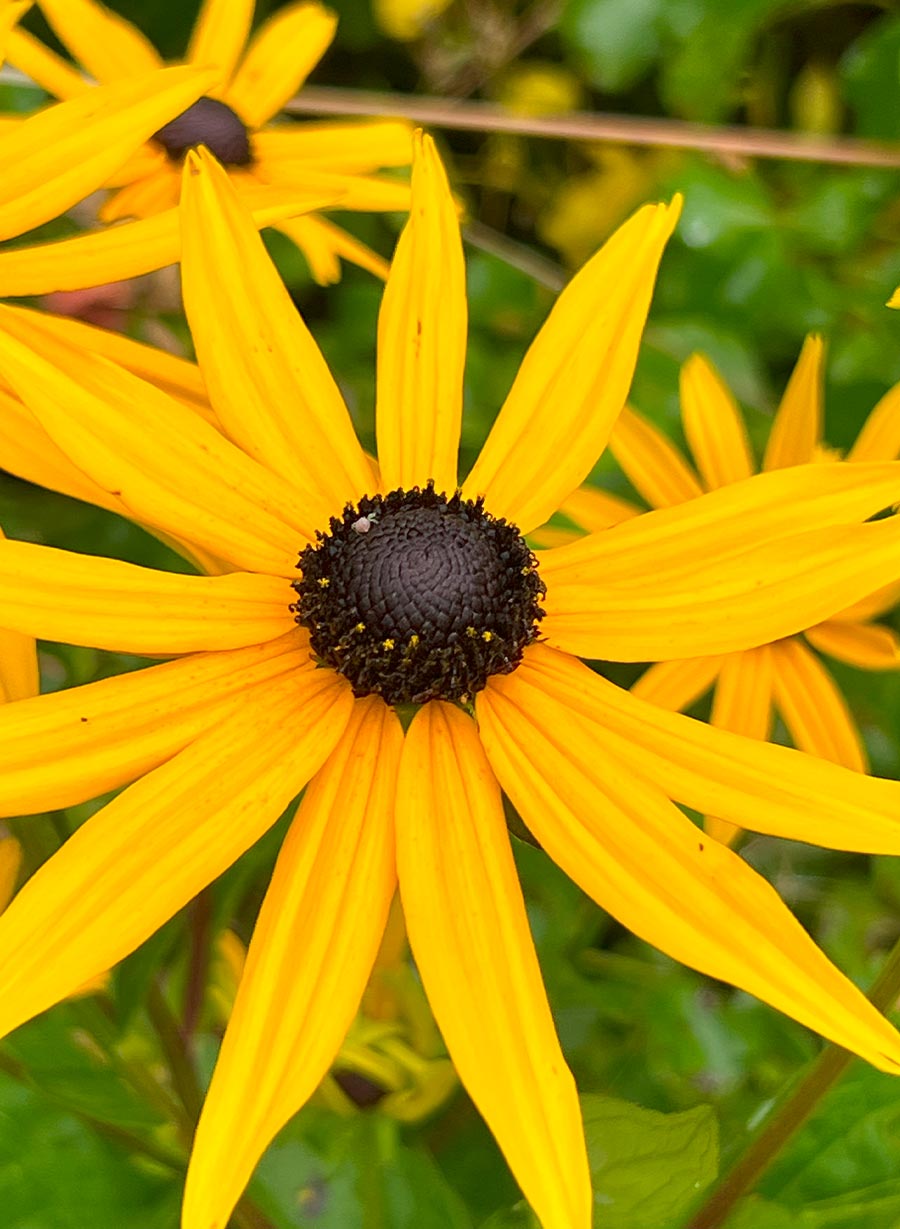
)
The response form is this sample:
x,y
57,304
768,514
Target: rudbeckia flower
x,y
787,676
251,81
414,602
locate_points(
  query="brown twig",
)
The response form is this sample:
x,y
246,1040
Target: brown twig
x,y
597,126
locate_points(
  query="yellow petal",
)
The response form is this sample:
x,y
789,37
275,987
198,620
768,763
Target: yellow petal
x,y
879,439
620,838
814,711
593,510
738,602
742,703
172,374
873,606
108,46
105,604
575,377
19,674
350,148
63,153
469,934
10,12
10,867
676,685
66,747
151,193
756,785
120,252
49,70
362,193
713,425
144,855
669,541
329,899
894,300
868,646
422,338
324,245
797,427
279,59
271,388
219,36
651,462
199,486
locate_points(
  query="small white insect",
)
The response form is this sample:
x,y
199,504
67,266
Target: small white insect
x,y
363,524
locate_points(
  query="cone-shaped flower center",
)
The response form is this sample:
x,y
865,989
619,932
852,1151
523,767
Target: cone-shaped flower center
x,y
211,123
418,596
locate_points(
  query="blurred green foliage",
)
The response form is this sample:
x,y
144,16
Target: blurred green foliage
x,y
767,250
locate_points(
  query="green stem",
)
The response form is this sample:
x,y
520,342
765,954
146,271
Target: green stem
x,y
181,1066
793,1112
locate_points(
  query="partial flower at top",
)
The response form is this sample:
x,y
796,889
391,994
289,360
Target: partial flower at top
x,y
417,596
785,676
251,81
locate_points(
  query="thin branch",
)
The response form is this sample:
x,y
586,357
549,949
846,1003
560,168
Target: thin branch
x,y
597,126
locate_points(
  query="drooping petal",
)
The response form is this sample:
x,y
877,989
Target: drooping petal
x,y
69,746
49,70
469,935
797,427
120,252
104,43
219,36
356,147
422,338
200,487
670,541
873,606
879,439
713,424
329,900
144,855
651,462
769,591
279,59
868,646
620,838
575,377
362,193
19,675
742,703
105,604
152,193
172,374
676,685
65,152
325,245
756,785
270,386
814,711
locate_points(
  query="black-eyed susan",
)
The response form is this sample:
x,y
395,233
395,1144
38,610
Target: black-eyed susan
x,y
251,81
417,597
786,676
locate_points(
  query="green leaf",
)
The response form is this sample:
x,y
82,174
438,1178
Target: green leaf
x,y
614,42
647,1168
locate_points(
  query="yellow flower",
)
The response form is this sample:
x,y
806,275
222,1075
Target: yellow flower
x,y
249,84
256,705
785,676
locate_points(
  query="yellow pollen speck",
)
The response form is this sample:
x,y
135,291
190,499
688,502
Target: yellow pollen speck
x,y
360,627
470,631
487,635
414,640
527,571
323,582
387,644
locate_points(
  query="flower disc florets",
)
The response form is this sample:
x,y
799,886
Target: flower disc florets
x,y
211,123
418,596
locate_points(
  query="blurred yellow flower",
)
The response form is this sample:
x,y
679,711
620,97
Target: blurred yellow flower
x,y
406,20
249,81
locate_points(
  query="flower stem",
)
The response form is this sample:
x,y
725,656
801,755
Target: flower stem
x,y
780,1127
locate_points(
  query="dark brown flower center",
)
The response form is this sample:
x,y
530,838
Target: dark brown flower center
x,y
417,596
211,123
